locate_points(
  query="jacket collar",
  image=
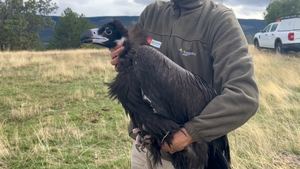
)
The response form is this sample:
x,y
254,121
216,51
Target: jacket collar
x,y
182,6
187,4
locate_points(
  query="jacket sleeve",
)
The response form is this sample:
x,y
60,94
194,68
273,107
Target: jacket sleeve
x,y
233,79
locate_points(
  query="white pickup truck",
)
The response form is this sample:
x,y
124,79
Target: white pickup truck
x,y
282,36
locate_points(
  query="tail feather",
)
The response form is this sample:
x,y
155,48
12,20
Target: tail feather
x,y
218,161
219,154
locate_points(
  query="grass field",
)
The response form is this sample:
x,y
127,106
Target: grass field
x,y
55,113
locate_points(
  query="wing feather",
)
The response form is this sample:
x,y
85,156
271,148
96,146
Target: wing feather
x,y
174,92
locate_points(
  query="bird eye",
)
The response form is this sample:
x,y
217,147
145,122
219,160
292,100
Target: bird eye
x,y
107,31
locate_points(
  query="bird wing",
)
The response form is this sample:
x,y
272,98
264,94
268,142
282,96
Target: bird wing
x,y
172,90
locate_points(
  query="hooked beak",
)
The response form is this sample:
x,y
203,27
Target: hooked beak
x,y
91,36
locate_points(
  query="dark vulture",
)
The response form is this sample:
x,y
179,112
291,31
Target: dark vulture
x,y
160,97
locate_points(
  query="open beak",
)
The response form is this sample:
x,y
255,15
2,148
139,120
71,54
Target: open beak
x,y
91,36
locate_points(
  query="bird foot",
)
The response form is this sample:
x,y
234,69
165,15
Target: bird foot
x,y
141,141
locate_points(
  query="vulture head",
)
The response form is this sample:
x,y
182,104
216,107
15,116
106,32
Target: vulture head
x,y
109,35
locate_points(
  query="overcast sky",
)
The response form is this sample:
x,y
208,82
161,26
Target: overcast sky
x,y
242,8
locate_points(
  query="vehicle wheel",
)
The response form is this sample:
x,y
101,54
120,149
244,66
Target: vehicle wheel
x,y
256,44
278,48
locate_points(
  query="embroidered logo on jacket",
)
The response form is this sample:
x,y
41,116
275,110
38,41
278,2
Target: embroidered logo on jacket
x,y
186,53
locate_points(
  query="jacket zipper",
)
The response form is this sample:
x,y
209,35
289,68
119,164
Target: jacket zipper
x,y
169,40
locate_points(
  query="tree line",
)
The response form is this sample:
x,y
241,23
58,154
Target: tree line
x,y
282,8
22,21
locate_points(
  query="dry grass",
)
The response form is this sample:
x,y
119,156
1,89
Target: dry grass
x,y
272,137
55,113
4,148
55,109
25,111
56,65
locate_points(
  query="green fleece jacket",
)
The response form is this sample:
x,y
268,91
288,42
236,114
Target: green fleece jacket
x,y
206,39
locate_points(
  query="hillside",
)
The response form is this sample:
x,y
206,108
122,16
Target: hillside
x,y
250,26
55,113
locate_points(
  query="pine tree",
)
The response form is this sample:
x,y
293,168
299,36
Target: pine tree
x,y
21,22
68,30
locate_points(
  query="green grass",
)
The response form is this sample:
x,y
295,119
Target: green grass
x,y
64,121
55,113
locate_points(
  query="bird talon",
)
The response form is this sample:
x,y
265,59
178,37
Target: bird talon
x,y
137,147
136,131
143,149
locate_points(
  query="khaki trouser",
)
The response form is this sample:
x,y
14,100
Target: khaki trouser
x,y
142,160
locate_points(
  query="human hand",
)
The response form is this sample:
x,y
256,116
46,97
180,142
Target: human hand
x,y
115,52
181,140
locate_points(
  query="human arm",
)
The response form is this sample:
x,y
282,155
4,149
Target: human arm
x,y
233,79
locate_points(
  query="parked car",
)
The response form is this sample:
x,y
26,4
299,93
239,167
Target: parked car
x,y
283,35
